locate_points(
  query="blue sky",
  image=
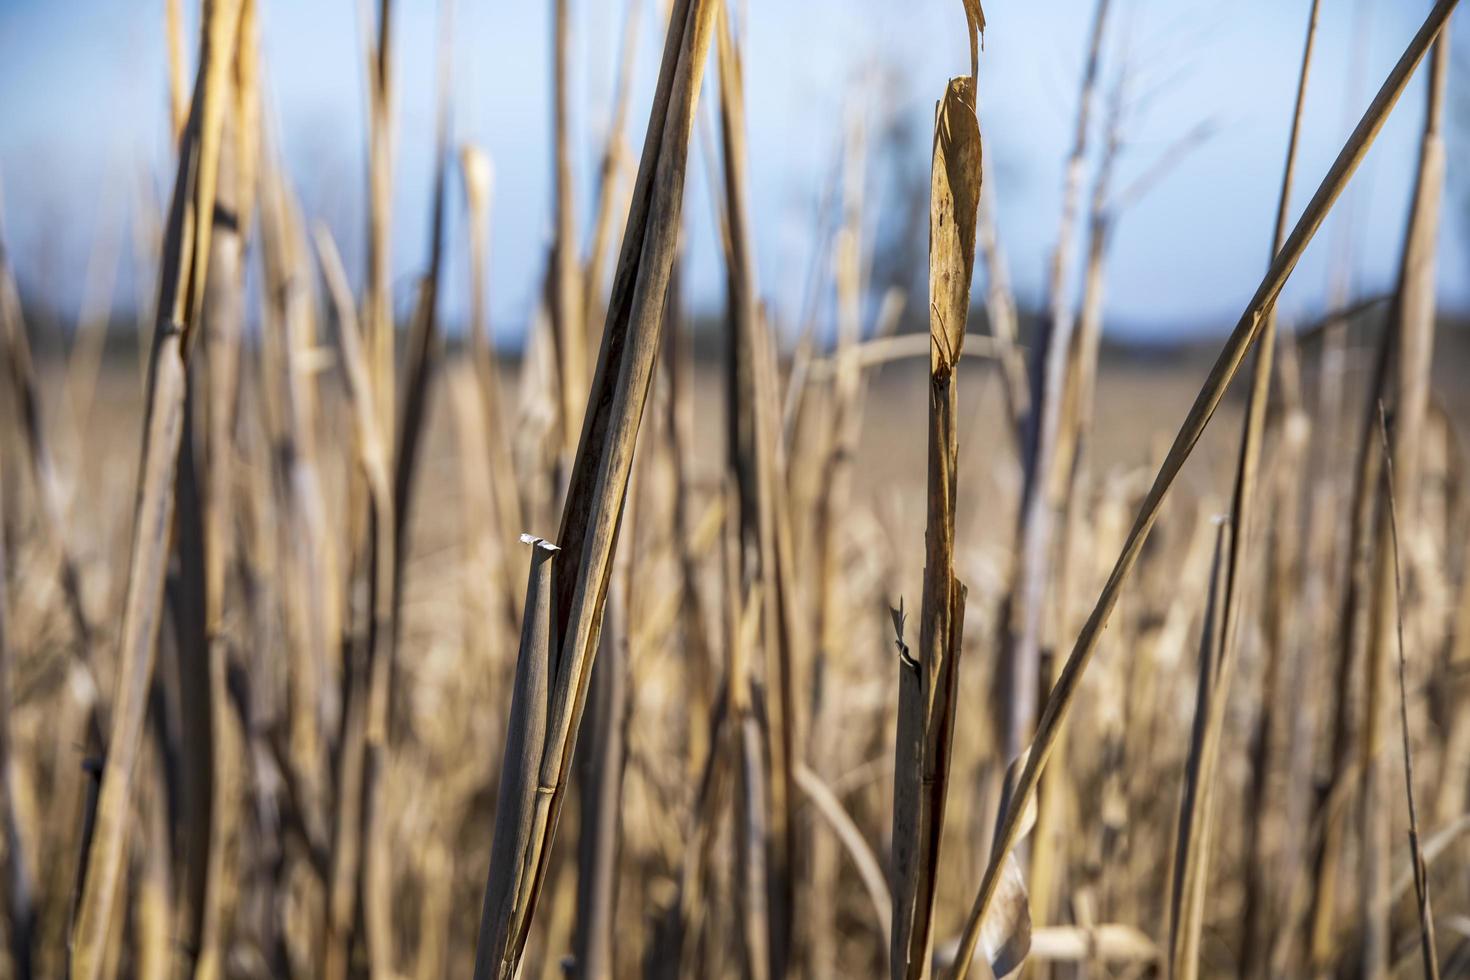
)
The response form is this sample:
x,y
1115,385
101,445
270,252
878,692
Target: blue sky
x,y
83,118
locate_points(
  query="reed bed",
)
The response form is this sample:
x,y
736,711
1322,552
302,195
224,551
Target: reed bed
x,y
627,655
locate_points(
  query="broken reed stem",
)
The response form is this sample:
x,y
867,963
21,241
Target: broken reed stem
x,y
181,289
599,479
953,204
1228,363
1416,850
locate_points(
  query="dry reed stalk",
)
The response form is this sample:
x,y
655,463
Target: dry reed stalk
x,y
1191,844
178,84
953,204
378,313
1225,368
1243,521
754,455
1020,673
597,488
1416,850
567,326
1414,322
508,509
181,293
603,753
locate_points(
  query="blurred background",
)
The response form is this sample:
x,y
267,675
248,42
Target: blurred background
x,y
83,139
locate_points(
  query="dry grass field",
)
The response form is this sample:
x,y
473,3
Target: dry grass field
x,y
338,647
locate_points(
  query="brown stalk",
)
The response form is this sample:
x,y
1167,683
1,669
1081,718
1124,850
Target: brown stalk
x,y
1225,368
953,204
524,735
1191,845
598,483
1416,850
603,753
613,154
378,315
181,294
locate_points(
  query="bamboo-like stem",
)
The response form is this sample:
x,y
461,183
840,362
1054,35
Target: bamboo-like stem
x,y
181,293
598,484
1235,348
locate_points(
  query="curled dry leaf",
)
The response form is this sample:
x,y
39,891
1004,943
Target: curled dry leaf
x,y
953,208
